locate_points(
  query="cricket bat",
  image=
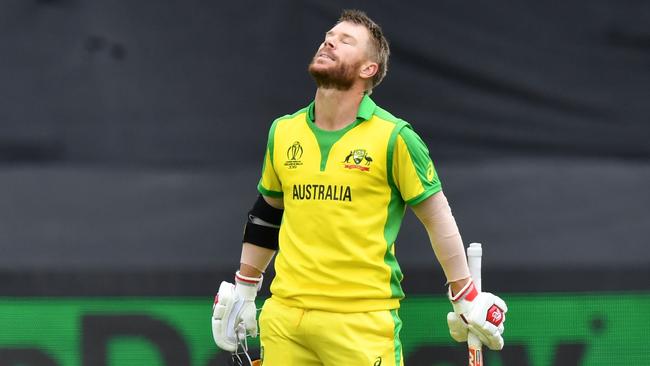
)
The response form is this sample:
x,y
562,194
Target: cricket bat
x,y
474,254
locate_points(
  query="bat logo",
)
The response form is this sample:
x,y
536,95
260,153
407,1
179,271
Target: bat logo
x,y
475,357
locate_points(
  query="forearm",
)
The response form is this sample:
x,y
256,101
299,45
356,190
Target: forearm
x,y
435,214
254,259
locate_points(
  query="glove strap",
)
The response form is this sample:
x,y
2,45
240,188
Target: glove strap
x,y
246,286
249,281
468,292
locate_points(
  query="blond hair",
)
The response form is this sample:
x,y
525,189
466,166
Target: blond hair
x,y
379,49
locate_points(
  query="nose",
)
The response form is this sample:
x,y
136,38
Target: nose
x,y
328,43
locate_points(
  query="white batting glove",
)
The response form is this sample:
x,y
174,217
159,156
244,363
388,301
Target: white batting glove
x,y
234,312
457,328
481,313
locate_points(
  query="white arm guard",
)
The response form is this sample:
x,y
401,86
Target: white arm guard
x,y
435,214
234,312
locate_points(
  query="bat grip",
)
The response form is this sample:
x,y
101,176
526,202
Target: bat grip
x,y
474,254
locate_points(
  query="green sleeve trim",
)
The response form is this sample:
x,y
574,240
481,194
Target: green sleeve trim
x,y
266,192
424,195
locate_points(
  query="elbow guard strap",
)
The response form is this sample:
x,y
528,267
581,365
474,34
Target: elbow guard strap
x,y
263,225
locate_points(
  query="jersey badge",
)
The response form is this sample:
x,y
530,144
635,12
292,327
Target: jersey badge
x,y
294,153
358,159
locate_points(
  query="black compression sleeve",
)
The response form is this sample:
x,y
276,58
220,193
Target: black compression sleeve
x,y
262,210
263,225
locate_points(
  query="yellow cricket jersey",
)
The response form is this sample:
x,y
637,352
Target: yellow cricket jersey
x,y
344,196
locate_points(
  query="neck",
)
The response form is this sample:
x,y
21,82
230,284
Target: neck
x,y
336,109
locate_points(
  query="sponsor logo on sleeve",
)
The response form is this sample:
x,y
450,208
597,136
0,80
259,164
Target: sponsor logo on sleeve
x,y
430,172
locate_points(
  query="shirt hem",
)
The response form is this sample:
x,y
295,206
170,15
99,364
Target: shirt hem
x,y
339,305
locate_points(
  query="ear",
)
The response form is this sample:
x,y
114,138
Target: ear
x,y
368,70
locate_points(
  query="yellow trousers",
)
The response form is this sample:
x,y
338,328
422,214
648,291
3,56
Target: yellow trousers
x,y
300,337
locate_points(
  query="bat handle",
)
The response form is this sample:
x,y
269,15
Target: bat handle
x,y
474,256
475,348
474,345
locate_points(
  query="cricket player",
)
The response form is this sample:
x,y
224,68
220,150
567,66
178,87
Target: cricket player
x,y
336,179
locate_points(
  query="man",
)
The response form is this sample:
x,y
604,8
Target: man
x,y
337,177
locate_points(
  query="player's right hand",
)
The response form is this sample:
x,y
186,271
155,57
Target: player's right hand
x,y
481,313
234,312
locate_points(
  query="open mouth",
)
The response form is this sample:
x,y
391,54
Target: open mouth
x,y
325,56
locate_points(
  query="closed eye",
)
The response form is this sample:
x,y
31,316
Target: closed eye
x,y
345,38
348,40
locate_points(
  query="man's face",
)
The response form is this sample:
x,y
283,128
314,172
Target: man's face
x,y
338,61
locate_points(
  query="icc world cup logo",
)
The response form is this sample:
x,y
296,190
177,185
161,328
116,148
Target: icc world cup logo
x,y
294,152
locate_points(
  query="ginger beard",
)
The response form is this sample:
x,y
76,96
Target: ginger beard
x,y
340,76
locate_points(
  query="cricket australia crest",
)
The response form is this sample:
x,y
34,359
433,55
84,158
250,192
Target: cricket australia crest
x,y
360,160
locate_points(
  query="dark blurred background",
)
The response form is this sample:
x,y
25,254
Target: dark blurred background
x,y
132,133
132,136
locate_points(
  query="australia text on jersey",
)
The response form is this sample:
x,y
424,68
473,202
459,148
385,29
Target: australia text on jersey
x,y
322,192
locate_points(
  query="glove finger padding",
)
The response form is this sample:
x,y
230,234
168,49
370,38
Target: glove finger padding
x,y
489,335
222,310
457,327
486,318
248,316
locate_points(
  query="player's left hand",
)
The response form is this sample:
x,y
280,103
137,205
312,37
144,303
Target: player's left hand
x,y
234,312
481,313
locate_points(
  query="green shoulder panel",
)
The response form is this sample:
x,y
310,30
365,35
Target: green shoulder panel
x,y
423,164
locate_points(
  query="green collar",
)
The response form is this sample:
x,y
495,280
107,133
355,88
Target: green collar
x,y
365,112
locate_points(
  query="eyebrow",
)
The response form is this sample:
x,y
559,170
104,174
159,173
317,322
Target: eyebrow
x,y
344,35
